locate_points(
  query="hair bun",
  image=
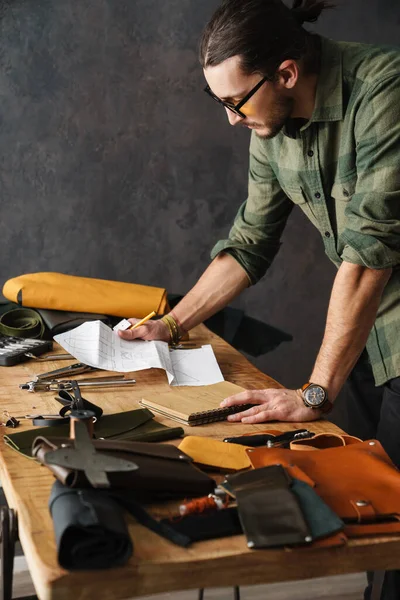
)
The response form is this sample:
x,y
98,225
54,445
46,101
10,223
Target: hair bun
x,y
308,10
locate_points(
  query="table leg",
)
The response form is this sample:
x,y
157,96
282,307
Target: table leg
x,y
377,585
236,593
8,537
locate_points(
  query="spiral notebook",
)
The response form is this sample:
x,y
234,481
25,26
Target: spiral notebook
x,y
195,405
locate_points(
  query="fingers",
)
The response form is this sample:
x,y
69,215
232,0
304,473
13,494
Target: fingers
x,y
247,397
256,414
152,330
133,334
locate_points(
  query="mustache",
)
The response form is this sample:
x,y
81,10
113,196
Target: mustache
x,y
251,124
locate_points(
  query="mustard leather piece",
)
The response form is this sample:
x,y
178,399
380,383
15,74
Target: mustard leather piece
x,y
57,291
212,453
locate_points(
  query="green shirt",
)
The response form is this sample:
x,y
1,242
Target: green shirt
x,y
342,168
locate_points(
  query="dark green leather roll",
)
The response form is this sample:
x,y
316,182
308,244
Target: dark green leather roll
x,y
22,322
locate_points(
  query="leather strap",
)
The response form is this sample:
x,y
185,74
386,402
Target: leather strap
x,y
22,322
145,519
70,402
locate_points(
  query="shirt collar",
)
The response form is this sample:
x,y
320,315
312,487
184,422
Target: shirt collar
x,y
329,94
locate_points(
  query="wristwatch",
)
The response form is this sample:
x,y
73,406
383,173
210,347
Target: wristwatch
x,y
315,396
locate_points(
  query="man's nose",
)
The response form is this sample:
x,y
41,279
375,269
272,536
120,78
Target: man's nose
x,y
233,118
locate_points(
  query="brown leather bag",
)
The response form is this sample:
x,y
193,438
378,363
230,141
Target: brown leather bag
x,y
158,468
358,481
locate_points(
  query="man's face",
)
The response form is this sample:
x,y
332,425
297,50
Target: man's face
x,y
266,111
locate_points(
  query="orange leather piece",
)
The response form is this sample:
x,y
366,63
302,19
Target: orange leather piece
x,y
367,529
358,481
322,441
332,541
84,294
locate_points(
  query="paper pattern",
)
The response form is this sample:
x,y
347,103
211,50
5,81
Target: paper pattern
x,y
95,344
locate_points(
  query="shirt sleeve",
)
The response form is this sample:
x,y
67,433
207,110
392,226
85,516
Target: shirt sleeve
x,y
372,234
254,238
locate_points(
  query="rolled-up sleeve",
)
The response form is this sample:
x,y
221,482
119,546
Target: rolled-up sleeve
x,y
372,234
254,238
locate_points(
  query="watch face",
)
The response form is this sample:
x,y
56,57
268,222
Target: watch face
x,y
314,395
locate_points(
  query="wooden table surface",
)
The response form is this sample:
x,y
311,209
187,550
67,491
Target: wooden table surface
x,y
157,565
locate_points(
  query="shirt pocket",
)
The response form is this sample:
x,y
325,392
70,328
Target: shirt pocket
x,y
299,197
342,192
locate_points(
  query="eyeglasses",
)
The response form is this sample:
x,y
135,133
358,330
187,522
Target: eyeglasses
x,y
235,108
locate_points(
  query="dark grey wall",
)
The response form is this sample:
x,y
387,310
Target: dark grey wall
x,y
114,164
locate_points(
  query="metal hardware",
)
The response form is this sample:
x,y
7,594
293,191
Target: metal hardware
x,y
56,385
82,455
362,503
49,357
74,369
184,346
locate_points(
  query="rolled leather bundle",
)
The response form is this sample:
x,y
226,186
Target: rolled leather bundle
x,y
89,528
57,291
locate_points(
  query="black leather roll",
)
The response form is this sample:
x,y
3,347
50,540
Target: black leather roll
x,y
89,528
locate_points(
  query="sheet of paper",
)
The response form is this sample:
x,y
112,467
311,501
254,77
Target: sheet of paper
x,y
195,367
95,344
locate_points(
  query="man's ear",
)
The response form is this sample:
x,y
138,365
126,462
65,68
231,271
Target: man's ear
x,y
288,74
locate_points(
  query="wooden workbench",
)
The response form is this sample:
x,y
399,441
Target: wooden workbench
x,y
158,565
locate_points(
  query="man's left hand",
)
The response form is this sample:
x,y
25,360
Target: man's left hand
x,y
271,405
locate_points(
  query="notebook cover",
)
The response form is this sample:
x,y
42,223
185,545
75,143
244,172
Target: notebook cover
x,y
195,405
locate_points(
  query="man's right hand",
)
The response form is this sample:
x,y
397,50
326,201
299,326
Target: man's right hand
x,y
152,330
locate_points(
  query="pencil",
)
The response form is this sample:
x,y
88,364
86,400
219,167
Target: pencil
x,y
149,316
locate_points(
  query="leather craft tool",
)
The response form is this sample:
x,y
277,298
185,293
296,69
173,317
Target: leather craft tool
x,y
49,357
55,385
74,369
83,456
269,440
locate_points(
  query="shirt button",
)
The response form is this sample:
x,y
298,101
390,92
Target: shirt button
x,y
327,234
317,195
310,153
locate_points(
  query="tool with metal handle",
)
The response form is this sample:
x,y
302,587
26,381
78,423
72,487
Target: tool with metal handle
x,y
49,357
269,439
74,369
68,384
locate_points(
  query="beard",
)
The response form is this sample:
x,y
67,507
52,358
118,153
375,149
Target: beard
x,y
278,116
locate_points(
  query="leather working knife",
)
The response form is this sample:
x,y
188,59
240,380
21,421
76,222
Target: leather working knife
x,y
267,439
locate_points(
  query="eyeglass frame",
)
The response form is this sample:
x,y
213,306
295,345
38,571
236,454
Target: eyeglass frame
x,y
235,108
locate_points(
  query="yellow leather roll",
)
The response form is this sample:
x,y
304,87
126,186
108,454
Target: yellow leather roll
x,y
57,291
